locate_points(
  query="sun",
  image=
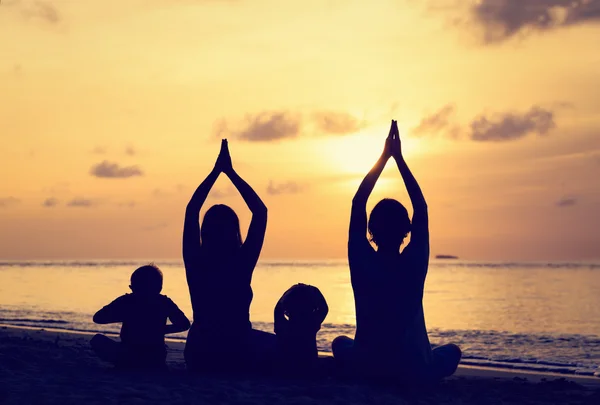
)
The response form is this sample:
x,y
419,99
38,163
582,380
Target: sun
x,y
356,154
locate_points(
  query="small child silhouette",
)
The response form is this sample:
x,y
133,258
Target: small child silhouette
x,y
298,317
144,315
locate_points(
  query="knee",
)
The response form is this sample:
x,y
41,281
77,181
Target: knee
x,y
97,339
339,344
456,350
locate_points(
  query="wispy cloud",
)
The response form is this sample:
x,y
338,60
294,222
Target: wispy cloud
x,y
155,227
438,122
494,127
17,70
127,204
35,9
289,187
221,193
263,127
6,202
58,188
50,202
106,169
336,123
99,150
80,202
566,202
510,126
496,21
273,126
130,150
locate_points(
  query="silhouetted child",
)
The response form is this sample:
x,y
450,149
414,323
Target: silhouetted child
x,y
144,315
298,317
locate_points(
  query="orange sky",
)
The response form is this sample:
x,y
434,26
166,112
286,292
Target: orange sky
x,y
111,114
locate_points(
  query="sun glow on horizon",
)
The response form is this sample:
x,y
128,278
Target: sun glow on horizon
x,y
356,154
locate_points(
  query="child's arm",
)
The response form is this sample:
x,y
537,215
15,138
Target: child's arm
x,y
322,307
111,313
179,322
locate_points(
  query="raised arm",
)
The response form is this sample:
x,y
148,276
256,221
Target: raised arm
x,y
358,215
191,226
258,225
420,220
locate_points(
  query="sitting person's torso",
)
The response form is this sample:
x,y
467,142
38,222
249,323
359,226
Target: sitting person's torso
x,y
221,296
144,320
389,310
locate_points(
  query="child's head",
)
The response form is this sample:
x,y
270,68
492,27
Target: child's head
x,y
302,302
147,280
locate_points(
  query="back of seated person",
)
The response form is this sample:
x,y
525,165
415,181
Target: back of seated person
x,y
298,317
143,315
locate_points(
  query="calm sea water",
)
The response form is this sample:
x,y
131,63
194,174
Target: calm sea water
x,y
540,316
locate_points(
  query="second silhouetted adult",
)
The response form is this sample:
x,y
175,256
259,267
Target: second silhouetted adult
x,y
219,267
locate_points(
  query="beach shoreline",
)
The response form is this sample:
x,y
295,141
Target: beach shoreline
x,y
63,369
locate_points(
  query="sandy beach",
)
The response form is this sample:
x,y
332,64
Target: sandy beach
x,y
55,367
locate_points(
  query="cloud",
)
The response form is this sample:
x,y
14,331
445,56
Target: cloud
x,y
177,189
336,123
35,9
81,202
566,202
510,126
130,151
17,70
50,202
500,20
159,193
263,127
155,227
99,150
59,188
218,193
6,202
440,121
127,204
289,187
110,170
270,126
496,127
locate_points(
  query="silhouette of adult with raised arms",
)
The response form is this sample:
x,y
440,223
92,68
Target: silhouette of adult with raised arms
x,y
144,315
391,338
219,269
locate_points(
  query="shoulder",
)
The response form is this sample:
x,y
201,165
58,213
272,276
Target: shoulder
x,y
415,258
167,302
124,299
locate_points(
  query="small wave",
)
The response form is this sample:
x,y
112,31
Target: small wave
x,y
301,264
86,263
36,321
517,265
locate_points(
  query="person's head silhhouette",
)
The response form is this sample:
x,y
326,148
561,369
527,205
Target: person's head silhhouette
x,y
301,310
389,224
147,280
221,229
298,317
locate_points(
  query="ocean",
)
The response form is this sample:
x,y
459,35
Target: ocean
x,y
530,316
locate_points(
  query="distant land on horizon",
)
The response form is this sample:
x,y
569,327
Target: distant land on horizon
x,y
446,257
